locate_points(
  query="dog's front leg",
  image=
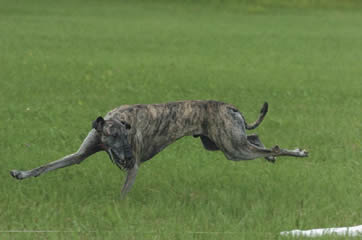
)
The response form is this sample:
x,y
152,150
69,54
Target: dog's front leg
x,y
89,146
131,177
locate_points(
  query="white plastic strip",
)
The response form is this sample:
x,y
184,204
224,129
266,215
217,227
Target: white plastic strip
x,y
342,231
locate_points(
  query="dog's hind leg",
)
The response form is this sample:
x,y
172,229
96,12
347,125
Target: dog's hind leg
x,y
254,139
236,145
276,151
208,143
131,177
89,146
250,151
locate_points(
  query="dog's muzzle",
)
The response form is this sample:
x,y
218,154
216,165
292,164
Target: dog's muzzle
x,y
122,158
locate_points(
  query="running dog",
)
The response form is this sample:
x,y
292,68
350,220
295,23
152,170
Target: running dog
x,y
133,134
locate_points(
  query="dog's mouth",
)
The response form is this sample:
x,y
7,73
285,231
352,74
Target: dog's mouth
x,y
116,156
120,158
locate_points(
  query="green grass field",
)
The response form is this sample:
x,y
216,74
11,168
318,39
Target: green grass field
x,y
64,64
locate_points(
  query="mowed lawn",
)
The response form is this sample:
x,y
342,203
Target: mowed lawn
x,y
64,64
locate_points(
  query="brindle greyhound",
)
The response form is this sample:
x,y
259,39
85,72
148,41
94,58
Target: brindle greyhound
x,y
133,134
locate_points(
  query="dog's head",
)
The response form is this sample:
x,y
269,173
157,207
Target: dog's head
x,y
114,136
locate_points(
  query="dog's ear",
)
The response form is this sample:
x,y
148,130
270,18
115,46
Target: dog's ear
x,y
126,124
98,124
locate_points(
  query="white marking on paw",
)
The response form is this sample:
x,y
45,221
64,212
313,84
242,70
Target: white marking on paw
x,y
17,174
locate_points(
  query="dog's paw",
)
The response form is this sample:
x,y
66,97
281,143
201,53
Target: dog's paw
x,y
302,153
17,174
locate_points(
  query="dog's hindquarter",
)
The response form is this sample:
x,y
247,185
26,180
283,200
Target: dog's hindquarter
x,y
226,130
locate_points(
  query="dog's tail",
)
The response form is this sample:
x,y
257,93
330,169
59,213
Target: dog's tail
x,y
263,112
